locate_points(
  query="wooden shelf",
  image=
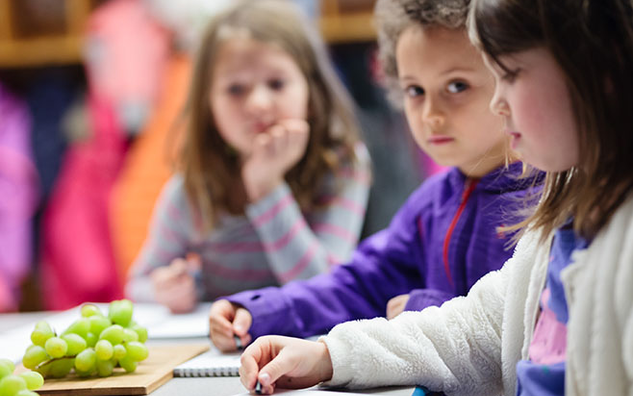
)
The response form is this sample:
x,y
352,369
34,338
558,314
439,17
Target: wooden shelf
x,y
344,21
348,28
42,32
50,32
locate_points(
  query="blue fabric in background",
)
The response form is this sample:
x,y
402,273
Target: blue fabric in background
x,y
48,99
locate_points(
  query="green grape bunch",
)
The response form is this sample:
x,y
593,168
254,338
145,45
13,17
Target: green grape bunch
x,y
22,384
94,344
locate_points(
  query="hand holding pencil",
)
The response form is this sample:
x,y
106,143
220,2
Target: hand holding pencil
x,y
229,325
175,285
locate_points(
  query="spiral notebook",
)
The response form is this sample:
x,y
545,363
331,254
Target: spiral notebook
x,y
212,363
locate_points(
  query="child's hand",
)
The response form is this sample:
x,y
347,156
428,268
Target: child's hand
x,y
174,287
396,305
285,362
274,153
227,320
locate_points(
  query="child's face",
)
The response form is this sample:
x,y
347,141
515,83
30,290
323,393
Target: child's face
x,y
447,91
536,105
254,85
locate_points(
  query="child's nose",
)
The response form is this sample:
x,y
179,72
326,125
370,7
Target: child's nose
x,y
259,99
498,105
432,114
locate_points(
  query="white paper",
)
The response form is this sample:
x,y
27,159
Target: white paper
x,y
323,392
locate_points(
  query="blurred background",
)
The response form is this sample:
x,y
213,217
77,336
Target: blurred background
x,y
89,94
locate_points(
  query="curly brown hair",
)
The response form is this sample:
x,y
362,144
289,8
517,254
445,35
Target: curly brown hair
x,y
392,17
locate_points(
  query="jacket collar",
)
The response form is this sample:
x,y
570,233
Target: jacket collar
x,y
502,179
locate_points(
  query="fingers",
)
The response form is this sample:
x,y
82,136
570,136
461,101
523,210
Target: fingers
x,y
281,365
241,325
242,322
221,317
225,321
287,136
179,296
285,362
258,355
396,305
249,368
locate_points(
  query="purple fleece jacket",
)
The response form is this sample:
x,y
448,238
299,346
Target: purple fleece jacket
x,y
437,246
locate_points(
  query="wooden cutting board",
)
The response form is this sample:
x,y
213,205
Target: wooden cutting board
x,y
149,375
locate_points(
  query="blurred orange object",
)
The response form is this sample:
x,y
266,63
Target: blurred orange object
x,y
149,164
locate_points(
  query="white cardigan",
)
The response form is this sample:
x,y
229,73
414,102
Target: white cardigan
x,y
471,345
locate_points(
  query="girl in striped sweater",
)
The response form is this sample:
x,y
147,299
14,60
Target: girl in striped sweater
x,y
273,180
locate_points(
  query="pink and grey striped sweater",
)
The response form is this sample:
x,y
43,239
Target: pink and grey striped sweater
x,y
272,244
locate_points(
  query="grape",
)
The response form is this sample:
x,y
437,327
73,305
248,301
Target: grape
x,y
129,335
33,379
136,351
41,333
6,367
88,310
91,339
80,327
104,350
105,367
128,364
86,360
75,343
98,324
93,344
120,312
141,331
56,347
33,356
11,384
61,367
114,334
119,352
43,369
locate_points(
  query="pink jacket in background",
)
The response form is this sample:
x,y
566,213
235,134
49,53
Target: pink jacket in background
x,y
19,192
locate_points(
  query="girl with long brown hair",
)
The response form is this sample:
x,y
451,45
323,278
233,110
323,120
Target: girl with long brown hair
x,y
273,179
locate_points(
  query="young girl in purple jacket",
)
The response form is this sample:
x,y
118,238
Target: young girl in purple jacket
x,y
445,237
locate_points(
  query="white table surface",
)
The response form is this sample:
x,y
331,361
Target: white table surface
x,y
216,386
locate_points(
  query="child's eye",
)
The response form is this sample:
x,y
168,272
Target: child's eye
x,y
276,84
457,87
235,89
510,75
413,91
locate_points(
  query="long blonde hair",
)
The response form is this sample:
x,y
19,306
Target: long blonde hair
x,y
208,164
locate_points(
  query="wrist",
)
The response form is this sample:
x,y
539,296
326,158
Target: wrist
x,y
326,371
257,191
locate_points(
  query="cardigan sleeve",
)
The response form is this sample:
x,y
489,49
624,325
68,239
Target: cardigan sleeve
x,y
455,348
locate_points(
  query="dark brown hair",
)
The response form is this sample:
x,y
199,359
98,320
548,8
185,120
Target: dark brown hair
x,y
592,41
207,162
392,17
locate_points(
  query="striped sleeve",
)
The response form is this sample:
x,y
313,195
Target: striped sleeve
x,y
168,238
298,246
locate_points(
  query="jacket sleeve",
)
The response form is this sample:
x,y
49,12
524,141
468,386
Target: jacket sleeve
x,y
455,348
168,238
385,265
300,246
